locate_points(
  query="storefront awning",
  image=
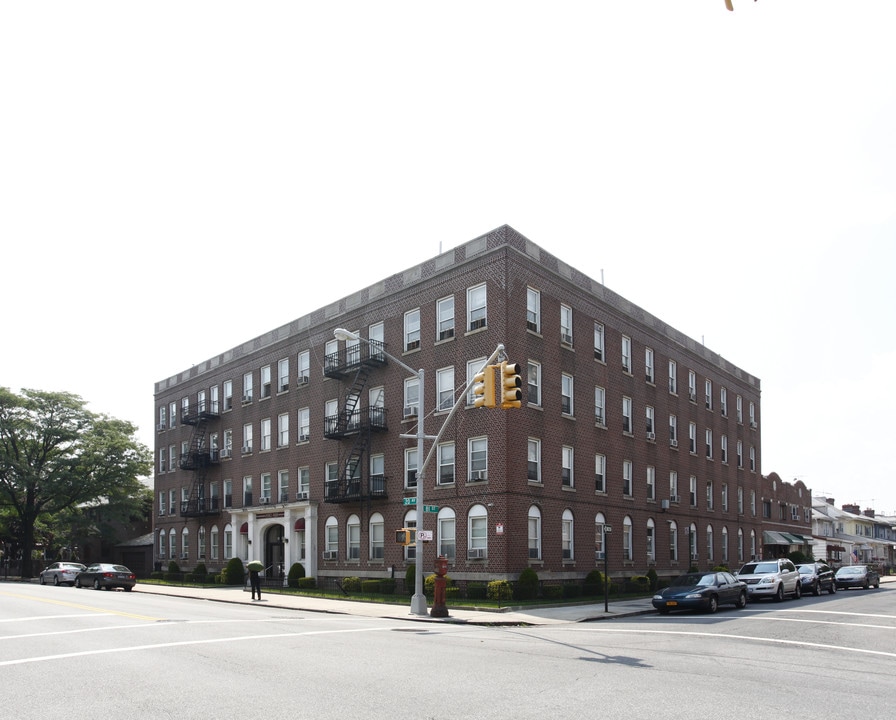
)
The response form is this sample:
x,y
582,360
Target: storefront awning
x,y
770,537
795,539
836,548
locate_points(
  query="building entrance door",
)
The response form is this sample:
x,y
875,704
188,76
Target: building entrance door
x,y
273,552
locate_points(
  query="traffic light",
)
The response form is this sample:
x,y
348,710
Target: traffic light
x,y
405,536
511,382
484,389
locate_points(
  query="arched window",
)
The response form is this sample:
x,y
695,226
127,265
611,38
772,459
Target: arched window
x,y
752,544
627,553
447,528
599,536
477,533
725,545
410,521
651,541
710,554
692,542
377,532
228,541
673,541
534,533
213,542
353,538
172,543
200,547
740,545
567,535
331,538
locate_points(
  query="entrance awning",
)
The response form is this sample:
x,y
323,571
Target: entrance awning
x,y
836,548
795,539
770,537
244,528
300,524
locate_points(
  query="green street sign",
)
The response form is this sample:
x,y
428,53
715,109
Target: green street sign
x,y
431,508
409,501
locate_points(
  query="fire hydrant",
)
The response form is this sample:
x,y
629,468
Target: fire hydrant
x,y
439,609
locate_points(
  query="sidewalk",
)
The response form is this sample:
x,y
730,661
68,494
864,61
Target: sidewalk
x,y
509,616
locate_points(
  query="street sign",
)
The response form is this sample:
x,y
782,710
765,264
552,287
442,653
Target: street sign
x,y
409,501
424,536
431,508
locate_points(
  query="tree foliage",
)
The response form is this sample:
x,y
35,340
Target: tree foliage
x,y
56,455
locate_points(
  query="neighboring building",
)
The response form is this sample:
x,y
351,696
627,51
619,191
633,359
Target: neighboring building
x,y
295,447
786,517
848,536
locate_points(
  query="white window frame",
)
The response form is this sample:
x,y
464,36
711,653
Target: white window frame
x,y
445,318
533,310
477,307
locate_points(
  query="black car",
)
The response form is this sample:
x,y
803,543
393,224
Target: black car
x,y
106,576
861,576
701,591
816,578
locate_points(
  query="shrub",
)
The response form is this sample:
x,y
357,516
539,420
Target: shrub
x,y
652,576
639,584
351,584
306,583
594,583
234,574
552,592
476,591
527,585
200,573
721,568
155,575
387,586
499,590
571,590
295,572
429,584
173,567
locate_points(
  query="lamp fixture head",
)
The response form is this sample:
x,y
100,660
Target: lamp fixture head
x,y
343,334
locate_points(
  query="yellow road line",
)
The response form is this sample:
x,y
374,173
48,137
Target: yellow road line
x,y
78,606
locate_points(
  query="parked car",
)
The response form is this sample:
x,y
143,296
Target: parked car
x,y
61,573
816,578
106,576
701,591
771,578
863,576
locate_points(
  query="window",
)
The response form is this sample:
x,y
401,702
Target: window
x,y
228,541
265,434
626,353
533,379
533,310
304,481
627,539
265,487
304,424
566,535
600,406
247,387
247,438
163,413
599,342
740,545
753,503
600,473
247,491
162,504
411,397
353,538
692,386
266,381
283,486
740,454
710,500
740,500
213,542
752,415
445,388
473,367
184,407
673,486
376,528
752,459
412,330
723,448
303,367
331,538
534,533
600,536
184,543
650,538
692,541
533,467
283,375
445,318
648,364
447,527
410,468
476,307
651,482
673,541
478,458
627,478
626,414
693,491
673,431
710,553
723,401
566,394
566,467
566,325
283,430
445,459
724,545
477,532
709,394
172,415
692,437
739,408
228,395
228,493
708,444
725,497
673,377
651,428
163,460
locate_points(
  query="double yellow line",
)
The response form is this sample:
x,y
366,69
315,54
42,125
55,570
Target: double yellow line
x,y
78,606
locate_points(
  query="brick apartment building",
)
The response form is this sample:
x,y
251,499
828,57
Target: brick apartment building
x,y
290,448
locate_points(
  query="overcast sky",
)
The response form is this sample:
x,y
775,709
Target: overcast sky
x,y
733,173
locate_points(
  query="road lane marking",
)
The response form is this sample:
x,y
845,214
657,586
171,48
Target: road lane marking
x,y
78,606
185,643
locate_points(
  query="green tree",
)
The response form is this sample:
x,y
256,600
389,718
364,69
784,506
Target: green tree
x,y
55,454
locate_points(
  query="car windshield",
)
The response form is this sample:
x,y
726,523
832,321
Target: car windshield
x,y
694,579
851,571
806,569
759,568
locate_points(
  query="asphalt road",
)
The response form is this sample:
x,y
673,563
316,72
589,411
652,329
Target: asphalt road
x,y
66,651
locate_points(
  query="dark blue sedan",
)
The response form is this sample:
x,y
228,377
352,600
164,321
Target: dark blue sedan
x,y
701,591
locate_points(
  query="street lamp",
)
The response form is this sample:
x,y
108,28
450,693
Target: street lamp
x,y
607,530
418,601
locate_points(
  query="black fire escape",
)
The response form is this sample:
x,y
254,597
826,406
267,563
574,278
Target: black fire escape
x,y
355,423
198,459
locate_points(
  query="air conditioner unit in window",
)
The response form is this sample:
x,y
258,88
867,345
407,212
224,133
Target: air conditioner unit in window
x,y
302,380
695,556
247,398
265,501
651,436
479,475
329,554
753,424
162,426
410,411
477,554
225,453
247,449
675,498
664,504
566,338
184,556
304,438
692,396
300,495
673,443
599,554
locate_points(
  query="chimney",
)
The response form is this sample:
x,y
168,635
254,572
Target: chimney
x,y
854,509
830,501
869,512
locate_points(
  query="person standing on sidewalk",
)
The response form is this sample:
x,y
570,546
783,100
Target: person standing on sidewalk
x,y
255,582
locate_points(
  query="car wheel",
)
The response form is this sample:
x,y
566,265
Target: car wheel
x,y
77,582
127,589
833,588
41,579
876,585
741,601
797,592
56,580
816,591
865,586
96,584
713,604
779,593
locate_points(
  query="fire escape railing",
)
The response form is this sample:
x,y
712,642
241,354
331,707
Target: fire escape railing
x,y
197,459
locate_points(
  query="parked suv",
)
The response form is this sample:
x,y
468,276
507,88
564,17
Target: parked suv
x,y
817,577
771,578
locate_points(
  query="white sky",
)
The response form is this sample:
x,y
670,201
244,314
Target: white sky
x,y
730,172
